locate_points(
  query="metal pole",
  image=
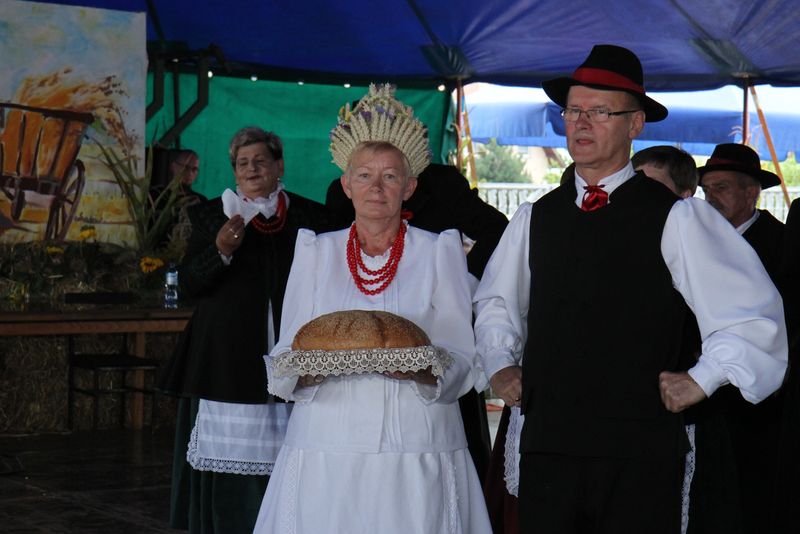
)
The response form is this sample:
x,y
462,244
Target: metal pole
x,y
745,113
473,176
459,99
768,139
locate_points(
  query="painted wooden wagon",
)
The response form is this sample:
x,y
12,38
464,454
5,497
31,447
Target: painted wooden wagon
x,y
39,154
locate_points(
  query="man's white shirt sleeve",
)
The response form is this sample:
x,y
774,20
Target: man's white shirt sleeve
x,y
501,301
739,311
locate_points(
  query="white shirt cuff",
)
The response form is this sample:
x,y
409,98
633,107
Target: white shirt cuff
x,y
497,360
708,375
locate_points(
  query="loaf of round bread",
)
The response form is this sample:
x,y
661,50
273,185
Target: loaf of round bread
x,y
359,329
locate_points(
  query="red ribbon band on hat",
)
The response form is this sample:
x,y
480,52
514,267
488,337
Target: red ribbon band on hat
x,y
722,161
606,77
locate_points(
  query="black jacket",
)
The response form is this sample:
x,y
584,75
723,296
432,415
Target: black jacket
x,y
220,354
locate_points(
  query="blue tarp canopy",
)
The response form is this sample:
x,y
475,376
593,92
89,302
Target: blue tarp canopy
x,y
421,44
683,44
697,121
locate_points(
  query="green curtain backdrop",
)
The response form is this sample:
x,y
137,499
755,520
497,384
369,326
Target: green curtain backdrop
x,y
302,115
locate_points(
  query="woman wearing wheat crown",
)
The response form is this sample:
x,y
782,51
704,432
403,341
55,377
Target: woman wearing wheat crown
x,y
376,449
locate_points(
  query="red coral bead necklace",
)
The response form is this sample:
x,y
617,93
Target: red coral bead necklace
x,y
382,276
276,222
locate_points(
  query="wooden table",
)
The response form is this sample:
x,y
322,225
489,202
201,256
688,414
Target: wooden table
x,y
89,319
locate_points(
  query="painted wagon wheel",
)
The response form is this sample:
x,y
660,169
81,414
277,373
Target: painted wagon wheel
x,y
17,203
16,196
65,204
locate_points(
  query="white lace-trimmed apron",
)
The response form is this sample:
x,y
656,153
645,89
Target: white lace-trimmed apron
x,y
242,439
688,474
512,450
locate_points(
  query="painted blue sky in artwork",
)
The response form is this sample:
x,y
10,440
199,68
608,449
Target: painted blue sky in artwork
x,y
37,39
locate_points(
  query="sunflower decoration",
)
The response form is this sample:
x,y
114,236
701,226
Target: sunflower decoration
x,y
148,264
87,232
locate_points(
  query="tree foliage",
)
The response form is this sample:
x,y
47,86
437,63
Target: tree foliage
x,y
790,169
495,163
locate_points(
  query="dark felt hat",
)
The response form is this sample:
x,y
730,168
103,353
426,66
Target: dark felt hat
x,y
609,68
740,158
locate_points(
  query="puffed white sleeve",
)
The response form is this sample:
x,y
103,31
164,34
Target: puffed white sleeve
x,y
502,299
451,325
738,309
298,308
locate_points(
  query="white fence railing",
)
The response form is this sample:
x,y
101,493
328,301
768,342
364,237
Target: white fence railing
x,y
508,197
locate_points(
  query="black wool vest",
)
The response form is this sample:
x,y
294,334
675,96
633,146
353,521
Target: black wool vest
x,y
604,321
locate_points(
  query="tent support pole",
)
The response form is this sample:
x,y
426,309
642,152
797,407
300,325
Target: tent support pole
x,y
459,100
473,175
745,113
768,138
158,89
194,110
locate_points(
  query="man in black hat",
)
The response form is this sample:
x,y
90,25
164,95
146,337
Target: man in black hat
x,y
591,280
732,180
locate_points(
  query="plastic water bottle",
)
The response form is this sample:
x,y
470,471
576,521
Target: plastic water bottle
x,y
171,287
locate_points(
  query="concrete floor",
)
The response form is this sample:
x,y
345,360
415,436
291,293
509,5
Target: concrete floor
x,y
110,481
92,482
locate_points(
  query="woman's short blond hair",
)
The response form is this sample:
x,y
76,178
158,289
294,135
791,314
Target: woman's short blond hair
x,y
375,147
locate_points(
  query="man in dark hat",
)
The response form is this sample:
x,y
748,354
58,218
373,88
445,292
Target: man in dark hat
x,y
581,310
732,180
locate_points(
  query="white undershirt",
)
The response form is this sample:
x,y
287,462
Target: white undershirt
x,y
742,228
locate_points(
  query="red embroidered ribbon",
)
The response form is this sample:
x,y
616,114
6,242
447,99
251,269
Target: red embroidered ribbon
x,y
594,198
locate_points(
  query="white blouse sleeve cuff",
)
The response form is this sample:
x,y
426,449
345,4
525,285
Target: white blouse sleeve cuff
x,y
286,387
427,393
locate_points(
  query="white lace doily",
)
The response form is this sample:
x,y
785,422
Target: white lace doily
x,y
347,362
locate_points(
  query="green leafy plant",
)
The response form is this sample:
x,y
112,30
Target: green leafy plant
x,y
495,163
152,210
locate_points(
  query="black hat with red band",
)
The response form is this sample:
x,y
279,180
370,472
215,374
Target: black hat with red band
x,y
739,158
608,68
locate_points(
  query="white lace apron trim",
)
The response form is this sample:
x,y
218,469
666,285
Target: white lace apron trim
x,y
687,479
242,439
512,450
347,362
451,493
287,504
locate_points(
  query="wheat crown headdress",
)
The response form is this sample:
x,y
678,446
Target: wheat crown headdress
x,y
379,116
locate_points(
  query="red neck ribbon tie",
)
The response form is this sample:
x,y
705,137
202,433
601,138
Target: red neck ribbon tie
x,y
594,198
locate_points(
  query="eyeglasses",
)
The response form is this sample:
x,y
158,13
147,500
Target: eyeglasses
x,y
189,167
593,115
